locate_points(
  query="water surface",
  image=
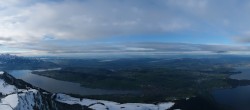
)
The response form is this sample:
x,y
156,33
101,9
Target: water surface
x,y
58,86
245,73
236,98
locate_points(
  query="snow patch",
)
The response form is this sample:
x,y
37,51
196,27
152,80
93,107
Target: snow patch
x,y
162,106
24,99
10,100
1,72
6,88
101,104
5,107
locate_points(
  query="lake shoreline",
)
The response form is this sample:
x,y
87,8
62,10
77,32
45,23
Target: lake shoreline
x,y
58,86
235,96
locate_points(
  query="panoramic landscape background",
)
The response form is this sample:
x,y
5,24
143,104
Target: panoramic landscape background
x,y
124,54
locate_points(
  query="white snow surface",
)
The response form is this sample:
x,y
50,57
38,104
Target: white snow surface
x,y
5,107
21,101
18,99
11,100
1,72
101,104
6,88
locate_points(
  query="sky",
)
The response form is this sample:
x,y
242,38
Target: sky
x,y
126,27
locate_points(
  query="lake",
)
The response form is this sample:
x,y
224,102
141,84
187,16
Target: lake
x,y
245,73
58,86
236,98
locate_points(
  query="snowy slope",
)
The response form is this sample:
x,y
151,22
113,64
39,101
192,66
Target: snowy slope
x,y
101,104
18,99
10,100
6,88
24,100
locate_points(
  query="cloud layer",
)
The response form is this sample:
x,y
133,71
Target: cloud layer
x,y
64,26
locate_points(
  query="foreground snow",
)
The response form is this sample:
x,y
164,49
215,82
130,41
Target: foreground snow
x,y
10,100
6,88
101,104
24,100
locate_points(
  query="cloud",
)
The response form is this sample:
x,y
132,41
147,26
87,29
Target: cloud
x,y
138,48
75,19
5,38
243,37
64,26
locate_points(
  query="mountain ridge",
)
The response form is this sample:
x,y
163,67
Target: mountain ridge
x,y
20,95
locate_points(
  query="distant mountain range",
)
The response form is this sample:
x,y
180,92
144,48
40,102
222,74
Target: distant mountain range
x,y
8,61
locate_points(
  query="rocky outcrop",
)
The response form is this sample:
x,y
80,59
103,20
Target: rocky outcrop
x,y
19,95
